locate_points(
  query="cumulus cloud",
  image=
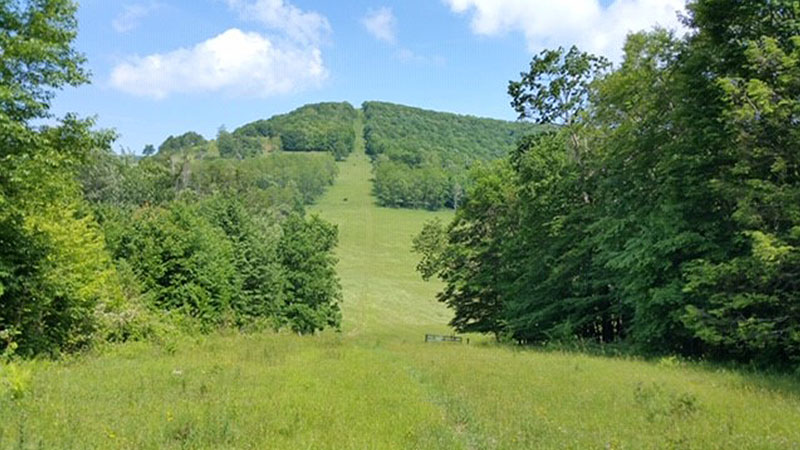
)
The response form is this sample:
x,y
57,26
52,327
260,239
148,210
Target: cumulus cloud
x,y
587,23
233,62
408,56
305,27
381,24
132,15
286,60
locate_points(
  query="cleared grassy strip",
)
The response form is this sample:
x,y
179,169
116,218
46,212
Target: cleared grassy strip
x,y
383,294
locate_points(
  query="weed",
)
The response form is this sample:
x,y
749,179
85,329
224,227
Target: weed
x,y
15,381
660,402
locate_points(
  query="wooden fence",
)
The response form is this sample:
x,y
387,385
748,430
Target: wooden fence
x,y
440,338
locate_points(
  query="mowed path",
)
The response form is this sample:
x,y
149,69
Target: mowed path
x,y
383,294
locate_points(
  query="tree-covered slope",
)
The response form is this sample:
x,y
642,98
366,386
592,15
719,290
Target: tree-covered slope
x,y
422,156
318,127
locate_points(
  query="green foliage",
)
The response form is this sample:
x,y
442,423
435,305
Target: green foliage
x,y
120,180
238,146
430,244
15,381
556,89
559,291
174,144
58,273
184,263
470,263
660,404
427,187
747,304
206,243
320,127
255,245
304,176
38,57
209,248
664,213
422,157
54,270
306,251
278,182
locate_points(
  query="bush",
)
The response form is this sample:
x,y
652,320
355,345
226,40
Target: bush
x,y
184,263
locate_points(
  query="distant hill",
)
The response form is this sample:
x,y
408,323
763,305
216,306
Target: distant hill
x,y
318,127
323,127
422,157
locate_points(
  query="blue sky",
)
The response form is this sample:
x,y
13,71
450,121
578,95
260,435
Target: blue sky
x,y
164,67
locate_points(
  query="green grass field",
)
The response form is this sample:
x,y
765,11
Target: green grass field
x,y
376,385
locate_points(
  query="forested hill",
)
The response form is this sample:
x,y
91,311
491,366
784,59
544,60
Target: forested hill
x,y
422,157
317,127
416,136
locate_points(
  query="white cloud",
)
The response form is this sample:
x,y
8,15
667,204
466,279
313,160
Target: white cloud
x,y
131,16
381,24
300,26
408,56
587,23
233,62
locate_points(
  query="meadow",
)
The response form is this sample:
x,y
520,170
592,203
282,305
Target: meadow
x,y
377,385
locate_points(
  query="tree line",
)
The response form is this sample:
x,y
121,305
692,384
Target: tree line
x,y
422,157
664,211
99,247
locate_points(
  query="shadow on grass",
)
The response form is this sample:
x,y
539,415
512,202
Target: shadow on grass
x,y
775,380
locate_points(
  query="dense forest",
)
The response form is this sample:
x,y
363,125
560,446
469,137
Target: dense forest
x,y
662,214
98,247
422,157
325,127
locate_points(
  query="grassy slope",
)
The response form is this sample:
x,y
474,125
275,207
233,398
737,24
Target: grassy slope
x,y
377,386
383,292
